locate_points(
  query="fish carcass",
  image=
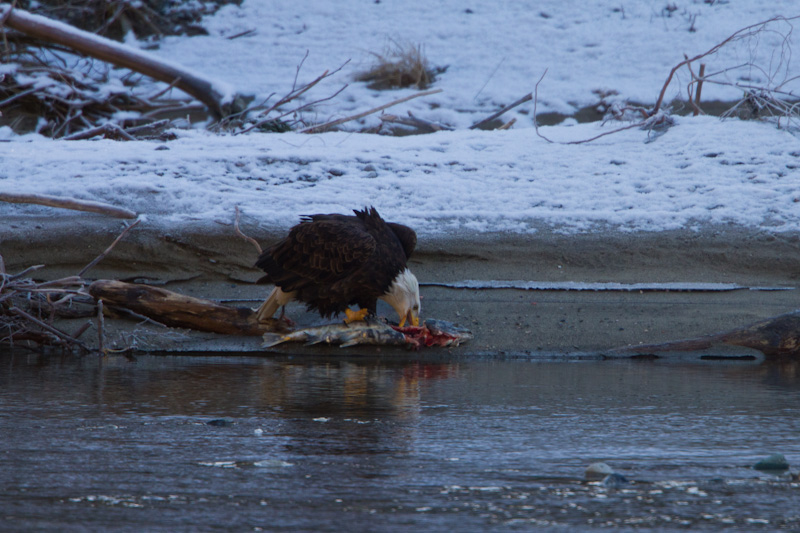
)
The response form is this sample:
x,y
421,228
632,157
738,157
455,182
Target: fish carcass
x,y
431,333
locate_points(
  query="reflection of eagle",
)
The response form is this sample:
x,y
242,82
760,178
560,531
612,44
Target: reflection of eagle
x,y
333,261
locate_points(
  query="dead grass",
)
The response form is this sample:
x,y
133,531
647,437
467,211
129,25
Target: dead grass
x,y
400,65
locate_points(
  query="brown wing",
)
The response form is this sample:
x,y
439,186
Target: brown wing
x,y
406,236
320,250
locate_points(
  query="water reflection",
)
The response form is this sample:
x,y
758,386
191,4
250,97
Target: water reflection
x,y
287,388
317,443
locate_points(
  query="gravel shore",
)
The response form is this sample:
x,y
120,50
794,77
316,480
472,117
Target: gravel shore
x,y
509,321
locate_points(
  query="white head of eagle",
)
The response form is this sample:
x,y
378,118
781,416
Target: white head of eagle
x,y
403,296
331,262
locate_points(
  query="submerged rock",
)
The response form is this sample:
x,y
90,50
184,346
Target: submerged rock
x,y
220,422
596,471
615,481
776,461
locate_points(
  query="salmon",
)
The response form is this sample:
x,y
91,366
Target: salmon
x,y
371,332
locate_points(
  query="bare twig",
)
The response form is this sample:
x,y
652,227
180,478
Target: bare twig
x,y
108,250
29,269
747,30
67,203
508,124
299,68
292,95
759,97
241,34
535,105
61,297
310,104
628,127
100,327
82,329
536,125
242,235
433,125
696,104
164,91
63,282
415,122
528,97
47,327
322,127
138,316
19,95
109,129
158,124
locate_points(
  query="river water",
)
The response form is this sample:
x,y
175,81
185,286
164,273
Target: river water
x,y
303,443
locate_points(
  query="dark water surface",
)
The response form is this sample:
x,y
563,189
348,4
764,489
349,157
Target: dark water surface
x,y
312,444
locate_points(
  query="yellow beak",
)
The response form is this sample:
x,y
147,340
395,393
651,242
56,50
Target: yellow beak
x,y
411,317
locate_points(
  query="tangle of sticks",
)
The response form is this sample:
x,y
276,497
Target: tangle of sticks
x,y
28,308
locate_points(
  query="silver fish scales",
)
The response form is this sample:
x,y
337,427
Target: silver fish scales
x,y
431,333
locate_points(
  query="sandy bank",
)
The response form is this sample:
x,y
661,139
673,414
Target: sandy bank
x,y
218,265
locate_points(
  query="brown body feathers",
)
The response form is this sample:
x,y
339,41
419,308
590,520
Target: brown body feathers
x,y
332,261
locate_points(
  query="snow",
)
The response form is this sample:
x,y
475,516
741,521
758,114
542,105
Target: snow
x,y
701,171
495,53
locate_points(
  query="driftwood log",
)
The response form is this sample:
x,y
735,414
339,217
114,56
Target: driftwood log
x,y
213,94
178,310
67,203
778,336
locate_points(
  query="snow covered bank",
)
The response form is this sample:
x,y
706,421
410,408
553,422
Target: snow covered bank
x,y
702,171
494,52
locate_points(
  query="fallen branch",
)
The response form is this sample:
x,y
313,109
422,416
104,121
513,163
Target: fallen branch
x,y
527,98
778,336
216,96
322,127
110,247
47,327
109,130
67,203
415,122
178,310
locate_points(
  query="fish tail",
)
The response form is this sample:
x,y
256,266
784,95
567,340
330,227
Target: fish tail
x,y
273,339
276,299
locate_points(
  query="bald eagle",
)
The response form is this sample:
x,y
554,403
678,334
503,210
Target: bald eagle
x,y
330,262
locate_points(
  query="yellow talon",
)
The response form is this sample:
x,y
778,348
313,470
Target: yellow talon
x,y
355,316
